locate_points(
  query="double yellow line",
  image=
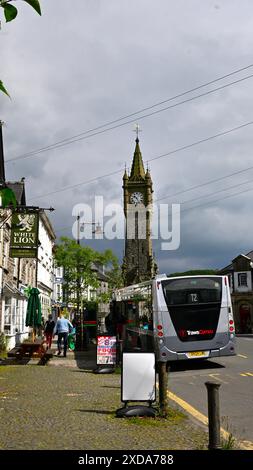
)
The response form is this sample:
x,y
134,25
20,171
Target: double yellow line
x,y
245,445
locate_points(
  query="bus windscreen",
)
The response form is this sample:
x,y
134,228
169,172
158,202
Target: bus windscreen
x,y
194,306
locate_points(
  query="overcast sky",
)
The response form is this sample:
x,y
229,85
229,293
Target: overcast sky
x,y
88,62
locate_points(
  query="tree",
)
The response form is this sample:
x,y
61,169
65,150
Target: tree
x,y
114,276
78,264
10,13
114,279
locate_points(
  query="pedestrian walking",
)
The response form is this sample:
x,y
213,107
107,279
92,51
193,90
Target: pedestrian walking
x,y
48,331
62,329
72,339
110,324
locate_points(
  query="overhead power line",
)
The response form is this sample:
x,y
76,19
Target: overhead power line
x,y
191,188
218,200
216,192
197,198
104,127
172,152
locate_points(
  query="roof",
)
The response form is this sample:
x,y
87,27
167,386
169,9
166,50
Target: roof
x,y
47,224
227,268
248,256
241,256
9,290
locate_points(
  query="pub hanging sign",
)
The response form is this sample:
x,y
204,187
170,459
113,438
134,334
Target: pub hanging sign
x,y
24,235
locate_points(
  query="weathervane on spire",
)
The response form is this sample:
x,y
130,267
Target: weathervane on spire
x,y
137,130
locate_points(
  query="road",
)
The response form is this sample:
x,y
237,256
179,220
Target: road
x,y
235,374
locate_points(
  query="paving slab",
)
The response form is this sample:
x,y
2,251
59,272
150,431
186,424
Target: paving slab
x,y
64,405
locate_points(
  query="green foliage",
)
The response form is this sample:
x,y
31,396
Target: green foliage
x,y
66,313
8,197
3,89
114,276
195,272
10,13
138,298
78,263
34,4
27,291
91,305
228,442
3,342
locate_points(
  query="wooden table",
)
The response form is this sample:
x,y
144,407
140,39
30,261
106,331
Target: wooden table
x,y
33,349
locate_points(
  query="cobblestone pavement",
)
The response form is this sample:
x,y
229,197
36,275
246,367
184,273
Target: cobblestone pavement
x,y
64,405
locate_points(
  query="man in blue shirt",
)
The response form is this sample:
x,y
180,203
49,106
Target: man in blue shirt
x,y
62,329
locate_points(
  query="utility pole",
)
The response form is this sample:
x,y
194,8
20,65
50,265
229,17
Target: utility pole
x,y
78,287
80,314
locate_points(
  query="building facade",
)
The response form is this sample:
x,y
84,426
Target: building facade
x,y
17,274
240,275
45,265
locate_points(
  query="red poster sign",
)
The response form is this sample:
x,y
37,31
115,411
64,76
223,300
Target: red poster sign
x,y
106,350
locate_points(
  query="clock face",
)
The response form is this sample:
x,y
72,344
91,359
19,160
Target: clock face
x,y
136,198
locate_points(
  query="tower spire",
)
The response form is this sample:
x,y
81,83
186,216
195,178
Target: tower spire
x,y
137,170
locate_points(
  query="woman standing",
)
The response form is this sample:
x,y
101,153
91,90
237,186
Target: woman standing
x,y
48,331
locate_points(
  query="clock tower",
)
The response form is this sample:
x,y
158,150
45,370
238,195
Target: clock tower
x,y
138,264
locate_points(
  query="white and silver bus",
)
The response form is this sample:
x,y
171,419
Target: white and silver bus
x,y
186,317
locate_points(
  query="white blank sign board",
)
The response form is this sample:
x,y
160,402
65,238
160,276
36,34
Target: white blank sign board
x,y
138,377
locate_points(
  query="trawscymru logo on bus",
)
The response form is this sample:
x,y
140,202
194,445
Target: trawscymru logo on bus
x,y
184,333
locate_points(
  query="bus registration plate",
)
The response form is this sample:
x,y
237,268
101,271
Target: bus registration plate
x,y
197,354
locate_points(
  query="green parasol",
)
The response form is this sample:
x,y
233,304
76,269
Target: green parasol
x,y
33,314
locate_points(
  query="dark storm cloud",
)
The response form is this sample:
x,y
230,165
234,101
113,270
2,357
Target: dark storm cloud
x,y
76,68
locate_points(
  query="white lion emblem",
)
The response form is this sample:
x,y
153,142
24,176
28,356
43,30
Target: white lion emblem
x,y
26,222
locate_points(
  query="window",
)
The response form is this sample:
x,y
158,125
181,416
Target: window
x,y
58,272
15,272
58,286
93,295
192,291
7,315
242,279
10,315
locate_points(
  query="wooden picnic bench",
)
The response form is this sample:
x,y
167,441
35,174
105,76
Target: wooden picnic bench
x,y
14,352
32,348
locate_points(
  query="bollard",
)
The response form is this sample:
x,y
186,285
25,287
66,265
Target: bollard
x,y
213,415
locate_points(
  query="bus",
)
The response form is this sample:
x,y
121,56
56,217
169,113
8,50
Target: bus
x,y
180,318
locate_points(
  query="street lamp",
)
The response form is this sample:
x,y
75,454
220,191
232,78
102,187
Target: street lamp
x,y
80,228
